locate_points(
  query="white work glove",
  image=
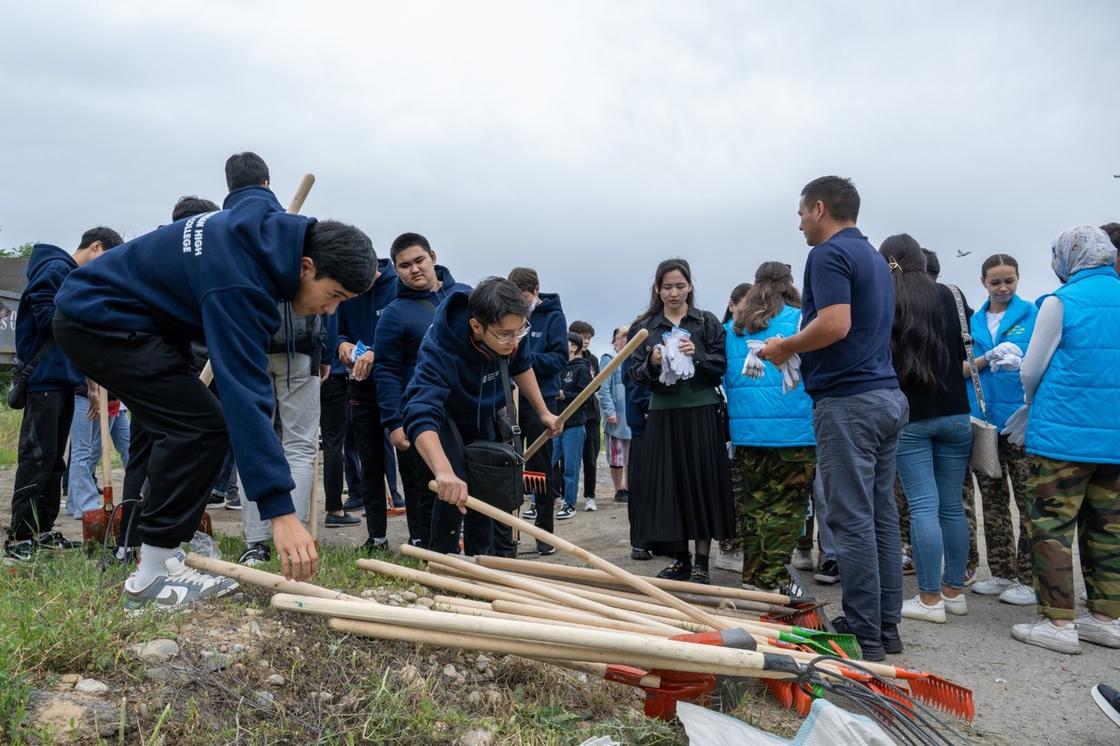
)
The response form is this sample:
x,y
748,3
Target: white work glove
x,y
1016,427
1007,362
1002,350
791,373
754,366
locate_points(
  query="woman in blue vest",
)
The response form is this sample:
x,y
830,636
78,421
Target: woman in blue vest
x,y
1001,334
1071,383
775,451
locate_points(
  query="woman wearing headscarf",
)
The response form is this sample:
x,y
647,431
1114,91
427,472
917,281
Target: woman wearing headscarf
x,y
1071,383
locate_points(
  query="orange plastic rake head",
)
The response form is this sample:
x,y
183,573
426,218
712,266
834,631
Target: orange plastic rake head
x,y
944,695
536,482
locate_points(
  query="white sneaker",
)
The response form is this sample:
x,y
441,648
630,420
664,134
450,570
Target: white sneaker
x,y
730,561
1019,595
1091,629
589,504
1045,634
957,606
802,559
915,608
181,585
992,586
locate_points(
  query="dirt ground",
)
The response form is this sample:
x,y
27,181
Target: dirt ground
x,y
1023,694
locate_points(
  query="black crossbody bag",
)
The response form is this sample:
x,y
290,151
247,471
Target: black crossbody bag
x,y
495,470
17,394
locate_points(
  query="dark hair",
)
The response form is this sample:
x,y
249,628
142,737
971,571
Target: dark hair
x,y
839,195
918,342
664,268
737,294
525,278
581,328
493,299
933,264
190,206
341,252
1113,231
998,260
245,169
108,237
407,241
773,290
575,339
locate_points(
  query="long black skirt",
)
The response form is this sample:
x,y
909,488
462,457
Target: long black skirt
x,y
684,477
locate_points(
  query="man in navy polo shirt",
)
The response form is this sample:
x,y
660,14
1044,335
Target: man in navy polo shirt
x,y
858,411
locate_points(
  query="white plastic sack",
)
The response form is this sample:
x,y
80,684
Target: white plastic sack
x,y
827,725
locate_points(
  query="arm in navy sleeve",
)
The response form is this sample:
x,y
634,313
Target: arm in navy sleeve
x,y
388,369
427,393
552,358
41,293
521,360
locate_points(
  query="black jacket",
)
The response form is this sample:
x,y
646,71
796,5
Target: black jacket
x,y
710,357
573,380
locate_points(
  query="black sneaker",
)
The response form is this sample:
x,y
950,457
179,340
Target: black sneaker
x,y
544,550
676,571
566,512
622,496
216,499
333,521
892,641
637,553
699,575
19,550
1108,699
233,502
355,504
530,513
55,540
829,574
376,546
255,554
398,501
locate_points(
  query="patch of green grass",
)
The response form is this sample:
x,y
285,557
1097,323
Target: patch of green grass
x,y
9,435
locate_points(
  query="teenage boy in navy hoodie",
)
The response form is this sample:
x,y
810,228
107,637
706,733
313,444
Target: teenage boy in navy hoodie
x,y
357,322
404,322
50,395
548,343
457,383
127,322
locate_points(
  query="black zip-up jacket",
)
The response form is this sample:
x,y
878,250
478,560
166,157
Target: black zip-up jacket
x,y
710,357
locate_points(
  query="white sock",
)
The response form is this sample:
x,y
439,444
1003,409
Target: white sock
x,y
151,566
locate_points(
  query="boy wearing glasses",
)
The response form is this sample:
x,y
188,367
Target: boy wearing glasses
x,y
457,383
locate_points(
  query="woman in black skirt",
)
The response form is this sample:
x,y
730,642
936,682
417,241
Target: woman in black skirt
x,y
684,475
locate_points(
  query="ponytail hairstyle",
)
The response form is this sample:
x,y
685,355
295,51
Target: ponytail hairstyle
x,y
918,343
664,268
998,260
737,294
773,290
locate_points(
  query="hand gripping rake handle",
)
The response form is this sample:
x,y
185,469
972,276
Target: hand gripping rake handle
x,y
590,389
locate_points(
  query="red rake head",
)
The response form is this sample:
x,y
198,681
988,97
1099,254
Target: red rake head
x,y
944,695
661,703
805,614
536,482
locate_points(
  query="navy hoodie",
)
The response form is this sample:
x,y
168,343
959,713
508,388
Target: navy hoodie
x,y
402,327
46,270
458,377
548,341
358,317
216,276
638,395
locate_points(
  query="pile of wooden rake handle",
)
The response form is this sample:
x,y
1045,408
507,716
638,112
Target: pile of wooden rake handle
x,y
580,619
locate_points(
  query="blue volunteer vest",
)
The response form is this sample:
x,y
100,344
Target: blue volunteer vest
x,y
760,414
1075,415
1003,389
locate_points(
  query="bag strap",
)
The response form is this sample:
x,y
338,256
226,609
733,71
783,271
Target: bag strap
x,y
511,412
40,353
966,337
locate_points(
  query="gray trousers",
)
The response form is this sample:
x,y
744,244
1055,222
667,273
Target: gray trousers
x,y
820,510
297,402
857,437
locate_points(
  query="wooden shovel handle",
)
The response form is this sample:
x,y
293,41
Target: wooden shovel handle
x,y
590,389
266,580
106,443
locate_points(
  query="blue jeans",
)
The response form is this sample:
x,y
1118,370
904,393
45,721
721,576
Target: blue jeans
x,y
571,450
932,462
857,437
85,454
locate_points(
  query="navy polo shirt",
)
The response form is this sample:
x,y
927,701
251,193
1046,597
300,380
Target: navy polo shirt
x,y
847,269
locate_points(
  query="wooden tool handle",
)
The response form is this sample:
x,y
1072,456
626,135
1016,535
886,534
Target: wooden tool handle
x,y
590,389
106,442
263,579
639,584
313,499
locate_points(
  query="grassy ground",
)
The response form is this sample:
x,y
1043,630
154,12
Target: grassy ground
x,y
59,616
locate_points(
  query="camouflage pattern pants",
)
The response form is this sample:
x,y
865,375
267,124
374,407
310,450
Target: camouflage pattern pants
x,y
1006,557
1064,496
771,487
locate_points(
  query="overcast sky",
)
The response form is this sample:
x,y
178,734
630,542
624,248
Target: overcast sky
x,y
588,140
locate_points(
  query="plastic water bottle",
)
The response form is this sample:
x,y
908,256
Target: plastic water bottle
x,y
204,545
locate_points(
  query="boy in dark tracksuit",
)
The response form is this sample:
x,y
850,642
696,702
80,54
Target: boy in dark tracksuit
x,y
548,343
127,322
576,377
404,322
50,395
594,426
457,383
357,322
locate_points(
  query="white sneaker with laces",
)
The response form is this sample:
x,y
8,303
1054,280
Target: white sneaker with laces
x,y
181,585
1045,634
991,586
589,504
1019,595
957,606
1091,629
915,608
802,559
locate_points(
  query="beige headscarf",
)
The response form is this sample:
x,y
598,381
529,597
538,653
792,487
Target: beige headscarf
x,y
1081,248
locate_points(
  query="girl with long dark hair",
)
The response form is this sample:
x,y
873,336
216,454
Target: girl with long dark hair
x,y
738,293
934,448
685,477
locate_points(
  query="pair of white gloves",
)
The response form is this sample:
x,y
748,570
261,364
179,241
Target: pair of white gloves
x,y
1004,356
675,365
755,367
